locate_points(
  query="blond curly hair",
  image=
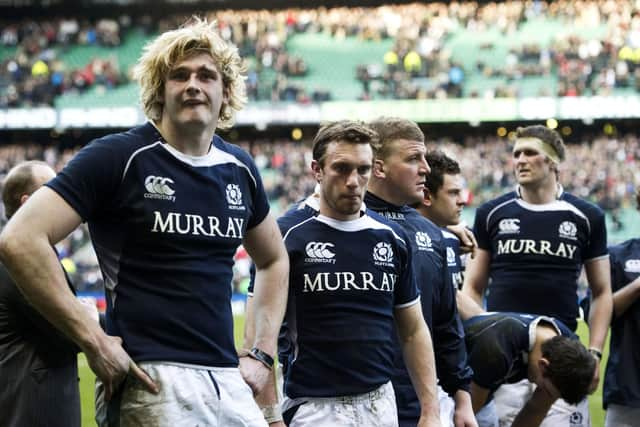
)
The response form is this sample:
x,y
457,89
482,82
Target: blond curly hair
x,y
163,53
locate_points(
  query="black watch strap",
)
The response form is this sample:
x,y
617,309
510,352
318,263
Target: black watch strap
x,y
596,353
261,356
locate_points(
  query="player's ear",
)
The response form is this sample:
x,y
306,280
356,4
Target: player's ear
x,y
378,168
317,170
427,200
543,365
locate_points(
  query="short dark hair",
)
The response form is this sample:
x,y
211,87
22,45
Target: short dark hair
x,y
18,182
440,165
571,367
353,132
545,134
390,129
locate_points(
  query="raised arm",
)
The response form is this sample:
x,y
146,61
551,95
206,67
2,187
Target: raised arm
x,y
476,275
417,350
26,248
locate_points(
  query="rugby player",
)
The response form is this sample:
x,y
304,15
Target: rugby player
x,y
621,391
532,245
398,180
167,205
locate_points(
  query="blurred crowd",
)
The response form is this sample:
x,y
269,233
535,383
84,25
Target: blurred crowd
x,y
603,169
418,65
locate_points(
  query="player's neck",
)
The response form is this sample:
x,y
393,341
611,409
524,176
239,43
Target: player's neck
x,y
544,332
539,193
380,190
189,140
329,212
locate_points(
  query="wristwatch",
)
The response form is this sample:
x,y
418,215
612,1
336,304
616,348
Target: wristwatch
x,y
596,353
261,356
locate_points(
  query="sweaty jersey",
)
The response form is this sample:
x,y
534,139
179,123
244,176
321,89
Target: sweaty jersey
x,y
438,305
622,376
499,346
537,252
346,278
165,227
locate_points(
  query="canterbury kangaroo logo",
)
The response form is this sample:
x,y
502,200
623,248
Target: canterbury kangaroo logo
x,y
319,250
159,185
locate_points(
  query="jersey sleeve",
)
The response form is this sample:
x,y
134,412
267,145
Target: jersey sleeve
x,y
480,228
597,246
259,196
452,365
406,292
90,180
617,275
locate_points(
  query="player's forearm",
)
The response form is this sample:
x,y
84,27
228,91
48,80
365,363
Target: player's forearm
x,y
625,297
476,276
462,399
249,334
34,267
534,411
473,292
600,319
467,306
269,303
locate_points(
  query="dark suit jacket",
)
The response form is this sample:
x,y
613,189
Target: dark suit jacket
x,y
38,366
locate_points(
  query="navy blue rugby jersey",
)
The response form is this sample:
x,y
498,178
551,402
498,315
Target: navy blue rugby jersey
x,y
165,227
537,252
622,376
454,263
345,280
438,305
499,345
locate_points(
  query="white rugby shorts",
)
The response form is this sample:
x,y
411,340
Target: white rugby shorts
x,y
189,396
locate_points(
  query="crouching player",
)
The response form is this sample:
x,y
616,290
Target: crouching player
x,y
505,348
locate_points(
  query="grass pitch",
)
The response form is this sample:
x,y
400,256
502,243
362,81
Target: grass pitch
x,y
87,381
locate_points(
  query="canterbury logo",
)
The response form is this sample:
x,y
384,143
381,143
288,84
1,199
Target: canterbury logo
x,y
632,266
159,185
509,225
319,250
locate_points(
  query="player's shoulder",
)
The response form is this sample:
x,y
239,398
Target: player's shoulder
x,y
294,219
448,235
232,150
386,223
498,202
130,140
588,208
628,247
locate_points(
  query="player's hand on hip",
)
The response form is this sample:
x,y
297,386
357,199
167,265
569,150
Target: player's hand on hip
x,y
254,373
112,364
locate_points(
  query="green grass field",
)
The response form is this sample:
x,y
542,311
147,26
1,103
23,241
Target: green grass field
x,y
87,382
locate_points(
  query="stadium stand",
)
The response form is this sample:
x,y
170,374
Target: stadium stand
x,y
416,51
